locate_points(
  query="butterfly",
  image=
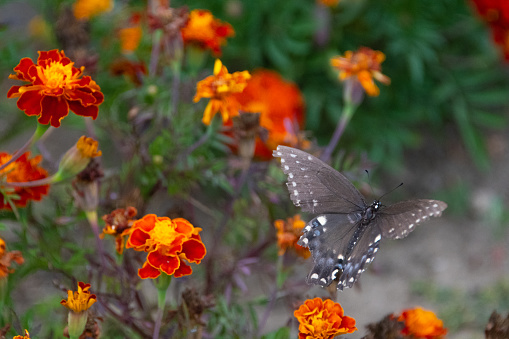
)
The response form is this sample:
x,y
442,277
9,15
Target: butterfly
x,y
346,234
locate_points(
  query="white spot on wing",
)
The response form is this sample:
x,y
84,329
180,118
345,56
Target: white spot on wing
x,y
314,276
295,192
290,175
293,155
322,219
286,167
323,280
282,160
309,157
294,183
378,237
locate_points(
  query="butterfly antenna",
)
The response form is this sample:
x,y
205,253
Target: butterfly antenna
x,y
390,191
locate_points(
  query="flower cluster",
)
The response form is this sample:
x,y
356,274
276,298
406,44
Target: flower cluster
x,y
219,88
496,14
319,319
23,169
205,31
6,258
169,244
55,88
117,223
288,233
420,323
362,66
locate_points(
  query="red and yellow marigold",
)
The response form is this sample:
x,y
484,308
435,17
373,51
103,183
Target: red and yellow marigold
x,y
219,88
170,243
319,319
55,87
422,324
205,31
496,14
23,169
288,233
117,222
78,303
363,66
26,336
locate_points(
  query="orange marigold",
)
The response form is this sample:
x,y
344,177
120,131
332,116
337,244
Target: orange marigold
x,y
362,66
219,88
80,300
288,234
329,3
6,258
26,336
320,319
421,323
281,107
23,169
169,243
116,223
85,9
55,88
204,30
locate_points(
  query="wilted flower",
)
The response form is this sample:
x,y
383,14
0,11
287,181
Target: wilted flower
x,y
497,327
169,244
288,233
134,71
207,32
116,223
85,9
6,258
362,66
22,169
55,88
77,158
421,323
320,319
26,336
219,88
78,304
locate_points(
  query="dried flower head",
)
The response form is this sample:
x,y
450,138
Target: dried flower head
x,y
288,233
55,88
219,88
497,327
362,66
320,319
421,323
116,223
6,258
205,31
23,169
170,243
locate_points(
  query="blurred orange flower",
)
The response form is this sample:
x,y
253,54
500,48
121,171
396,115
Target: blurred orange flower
x,y
85,9
288,234
420,323
219,88
362,66
55,88
116,223
320,319
23,169
6,258
80,300
130,36
329,3
281,107
496,14
169,243
207,32
26,336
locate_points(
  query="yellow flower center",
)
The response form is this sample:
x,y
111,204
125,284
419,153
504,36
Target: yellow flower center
x,y
56,76
163,233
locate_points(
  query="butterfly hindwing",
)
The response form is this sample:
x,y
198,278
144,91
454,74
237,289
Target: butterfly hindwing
x,y
315,186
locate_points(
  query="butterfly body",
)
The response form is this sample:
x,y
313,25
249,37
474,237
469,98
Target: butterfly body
x,y
346,234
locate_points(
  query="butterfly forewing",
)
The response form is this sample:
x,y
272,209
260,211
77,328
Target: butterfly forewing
x,y
398,220
315,186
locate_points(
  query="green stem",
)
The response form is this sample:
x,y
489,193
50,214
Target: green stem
x,y
162,284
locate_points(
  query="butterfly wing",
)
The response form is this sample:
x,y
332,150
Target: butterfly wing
x,y
398,220
315,186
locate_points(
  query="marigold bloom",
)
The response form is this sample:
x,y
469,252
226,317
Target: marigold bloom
x,y
85,9
81,300
169,244
496,14
219,88
26,336
204,30
364,66
55,88
23,169
320,319
288,233
421,323
329,3
77,158
281,107
6,258
116,223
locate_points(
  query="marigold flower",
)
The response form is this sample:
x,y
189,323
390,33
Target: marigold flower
x,y
204,30
219,88
281,107
130,37
421,323
23,169
26,336
288,234
78,304
362,66
55,88
320,319
77,158
6,258
169,244
329,3
116,223
496,14
86,9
